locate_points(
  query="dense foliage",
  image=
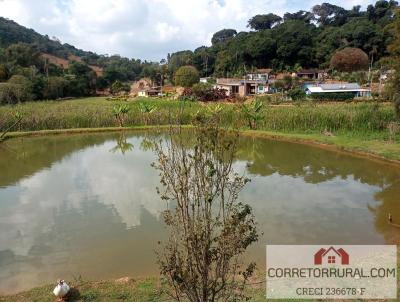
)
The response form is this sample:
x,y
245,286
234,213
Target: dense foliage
x,y
300,39
340,96
186,76
393,89
204,92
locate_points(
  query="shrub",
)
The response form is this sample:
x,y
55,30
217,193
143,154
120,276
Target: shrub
x,y
297,94
55,88
118,87
340,96
3,73
17,89
209,229
203,94
397,105
349,59
201,87
186,76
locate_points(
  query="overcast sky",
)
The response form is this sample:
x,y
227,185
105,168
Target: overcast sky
x,y
145,29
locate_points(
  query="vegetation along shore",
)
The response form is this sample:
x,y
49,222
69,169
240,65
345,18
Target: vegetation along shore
x,y
363,127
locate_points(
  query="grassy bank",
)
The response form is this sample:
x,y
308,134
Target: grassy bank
x,y
355,127
125,289
113,290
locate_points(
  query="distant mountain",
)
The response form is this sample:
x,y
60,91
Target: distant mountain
x,y
11,33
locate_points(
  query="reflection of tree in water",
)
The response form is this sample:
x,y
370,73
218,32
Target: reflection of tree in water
x,y
24,157
91,241
123,145
315,165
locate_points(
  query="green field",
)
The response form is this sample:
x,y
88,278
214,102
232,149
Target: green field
x,y
350,126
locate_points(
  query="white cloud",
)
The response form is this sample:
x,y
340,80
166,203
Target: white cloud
x,y
146,29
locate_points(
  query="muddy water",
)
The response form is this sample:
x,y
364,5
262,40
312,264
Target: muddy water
x,y
85,205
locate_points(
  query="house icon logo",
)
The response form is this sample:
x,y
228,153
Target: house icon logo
x,y
331,256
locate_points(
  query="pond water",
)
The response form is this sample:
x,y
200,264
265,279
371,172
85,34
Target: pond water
x,y
86,206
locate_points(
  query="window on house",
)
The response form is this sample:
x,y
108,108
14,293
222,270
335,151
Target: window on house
x,y
331,259
235,89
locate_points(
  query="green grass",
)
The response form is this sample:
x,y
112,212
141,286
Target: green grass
x,y
147,290
356,126
85,291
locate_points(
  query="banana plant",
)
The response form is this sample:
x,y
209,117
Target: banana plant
x,y
120,111
253,113
146,109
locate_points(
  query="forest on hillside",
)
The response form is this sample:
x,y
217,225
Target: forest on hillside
x,y
303,39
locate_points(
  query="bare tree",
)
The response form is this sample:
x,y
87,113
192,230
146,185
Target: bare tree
x,y
209,228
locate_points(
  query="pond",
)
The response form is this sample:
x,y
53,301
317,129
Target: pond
x,y
85,205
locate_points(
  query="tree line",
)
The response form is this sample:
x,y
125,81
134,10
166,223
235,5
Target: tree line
x,y
304,39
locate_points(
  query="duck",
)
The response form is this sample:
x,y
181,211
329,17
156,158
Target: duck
x,y
61,290
391,222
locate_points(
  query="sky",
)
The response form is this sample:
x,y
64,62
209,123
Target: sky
x,y
145,29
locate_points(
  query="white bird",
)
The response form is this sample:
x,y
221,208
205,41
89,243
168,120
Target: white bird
x,y
61,290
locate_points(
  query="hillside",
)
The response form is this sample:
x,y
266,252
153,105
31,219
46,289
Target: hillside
x,y
65,63
12,33
35,67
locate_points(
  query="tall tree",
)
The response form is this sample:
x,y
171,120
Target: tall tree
x,y
186,76
294,42
267,21
300,15
223,36
329,14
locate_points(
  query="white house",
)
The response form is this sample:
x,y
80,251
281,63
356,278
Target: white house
x,y
338,88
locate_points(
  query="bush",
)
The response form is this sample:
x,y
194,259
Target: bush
x,y
3,73
340,96
55,88
203,94
201,87
118,87
297,94
397,105
17,89
349,59
186,76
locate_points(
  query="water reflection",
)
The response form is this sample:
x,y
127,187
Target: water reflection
x,y
123,145
69,206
